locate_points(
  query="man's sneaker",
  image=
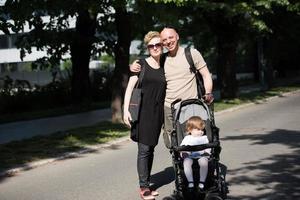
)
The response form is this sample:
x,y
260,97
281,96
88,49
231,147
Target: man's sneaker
x,y
145,194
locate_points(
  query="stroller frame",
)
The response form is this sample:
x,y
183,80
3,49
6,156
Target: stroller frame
x,y
216,187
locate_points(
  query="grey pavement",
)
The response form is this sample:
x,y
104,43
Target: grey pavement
x,y
27,129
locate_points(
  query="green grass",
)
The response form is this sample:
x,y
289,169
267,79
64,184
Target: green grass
x,y
51,146
252,97
42,147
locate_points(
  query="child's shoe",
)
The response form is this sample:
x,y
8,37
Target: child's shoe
x,y
191,185
201,186
145,194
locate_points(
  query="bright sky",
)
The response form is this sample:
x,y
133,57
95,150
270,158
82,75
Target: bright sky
x,y
2,2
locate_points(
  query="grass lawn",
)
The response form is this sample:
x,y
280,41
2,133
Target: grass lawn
x,y
42,147
252,97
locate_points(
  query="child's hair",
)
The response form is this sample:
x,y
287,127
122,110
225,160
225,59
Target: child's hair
x,y
194,122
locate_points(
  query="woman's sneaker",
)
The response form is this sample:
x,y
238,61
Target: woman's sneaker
x,y
145,194
154,193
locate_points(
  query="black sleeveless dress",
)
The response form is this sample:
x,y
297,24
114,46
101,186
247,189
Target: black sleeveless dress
x,y
151,115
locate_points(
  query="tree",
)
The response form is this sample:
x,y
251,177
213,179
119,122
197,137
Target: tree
x,y
229,22
51,30
121,50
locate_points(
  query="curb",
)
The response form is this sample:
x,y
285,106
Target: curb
x,y
87,149
93,148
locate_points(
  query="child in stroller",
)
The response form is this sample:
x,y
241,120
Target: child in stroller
x,y
195,129
211,179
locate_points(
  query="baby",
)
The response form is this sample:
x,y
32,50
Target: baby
x,y
195,129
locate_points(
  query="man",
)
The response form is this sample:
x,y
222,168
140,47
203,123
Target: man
x,y
181,82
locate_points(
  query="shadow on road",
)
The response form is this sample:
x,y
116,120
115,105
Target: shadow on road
x,y
279,173
163,178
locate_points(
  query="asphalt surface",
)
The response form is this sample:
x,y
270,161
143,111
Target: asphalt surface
x,y
260,150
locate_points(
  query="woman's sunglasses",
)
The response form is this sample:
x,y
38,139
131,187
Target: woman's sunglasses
x,y
157,45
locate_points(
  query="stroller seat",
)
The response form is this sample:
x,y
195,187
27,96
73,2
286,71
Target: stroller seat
x,y
215,182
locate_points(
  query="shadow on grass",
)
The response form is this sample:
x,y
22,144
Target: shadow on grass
x,y
281,169
21,153
256,97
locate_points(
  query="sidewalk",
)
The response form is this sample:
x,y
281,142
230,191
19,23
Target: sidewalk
x,y
27,129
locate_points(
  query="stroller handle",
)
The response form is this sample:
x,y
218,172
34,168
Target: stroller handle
x,y
197,147
174,102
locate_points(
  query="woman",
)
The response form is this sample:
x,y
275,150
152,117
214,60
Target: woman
x,y
151,111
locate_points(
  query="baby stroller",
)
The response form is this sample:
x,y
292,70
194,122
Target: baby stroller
x,y
215,185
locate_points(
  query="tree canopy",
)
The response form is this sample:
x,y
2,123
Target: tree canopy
x,y
219,29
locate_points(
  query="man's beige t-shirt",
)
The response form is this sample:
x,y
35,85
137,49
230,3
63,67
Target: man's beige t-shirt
x,y
181,82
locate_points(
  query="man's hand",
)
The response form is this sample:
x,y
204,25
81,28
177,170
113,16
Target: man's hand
x,y
135,66
208,98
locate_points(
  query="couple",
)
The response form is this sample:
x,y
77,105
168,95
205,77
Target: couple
x,y
161,86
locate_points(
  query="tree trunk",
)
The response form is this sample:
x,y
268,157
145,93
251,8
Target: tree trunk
x,y
120,77
227,32
80,56
226,73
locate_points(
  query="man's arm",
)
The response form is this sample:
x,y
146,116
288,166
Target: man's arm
x,y
208,84
135,66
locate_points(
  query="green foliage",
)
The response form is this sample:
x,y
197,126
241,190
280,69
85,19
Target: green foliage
x,y
67,65
20,96
107,58
51,25
250,11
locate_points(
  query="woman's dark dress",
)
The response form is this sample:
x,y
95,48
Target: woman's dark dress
x,y
152,107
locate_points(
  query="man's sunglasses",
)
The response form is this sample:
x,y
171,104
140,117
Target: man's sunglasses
x,y
157,45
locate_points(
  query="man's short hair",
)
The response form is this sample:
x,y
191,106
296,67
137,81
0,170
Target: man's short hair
x,y
170,27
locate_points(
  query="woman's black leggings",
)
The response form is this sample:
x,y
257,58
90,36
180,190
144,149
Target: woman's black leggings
x,y
144,163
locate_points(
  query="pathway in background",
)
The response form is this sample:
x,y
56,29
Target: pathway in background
x,y
27,129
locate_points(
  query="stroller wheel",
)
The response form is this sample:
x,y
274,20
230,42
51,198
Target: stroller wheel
x,y
174,196
213,197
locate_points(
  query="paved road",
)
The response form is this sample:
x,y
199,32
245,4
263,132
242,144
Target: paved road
x,y
260,148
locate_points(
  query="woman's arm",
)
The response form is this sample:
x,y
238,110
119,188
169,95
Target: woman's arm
x,y
126,114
